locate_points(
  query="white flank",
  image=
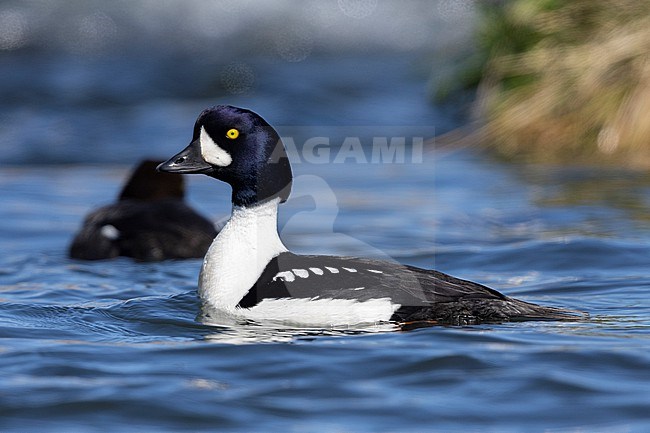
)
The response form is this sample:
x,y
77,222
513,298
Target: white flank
x,y
239,254
211,152
321,312
332,270
302,273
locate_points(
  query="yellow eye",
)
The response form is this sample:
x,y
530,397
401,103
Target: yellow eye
x,y
232,134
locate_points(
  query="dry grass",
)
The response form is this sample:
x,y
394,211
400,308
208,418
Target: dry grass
x,y
568,82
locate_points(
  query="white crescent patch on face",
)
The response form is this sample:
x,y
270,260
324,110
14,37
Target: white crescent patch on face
x,y
211,151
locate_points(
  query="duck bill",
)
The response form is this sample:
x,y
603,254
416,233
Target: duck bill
x,y
188,160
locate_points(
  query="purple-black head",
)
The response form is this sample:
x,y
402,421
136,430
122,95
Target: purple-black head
x,y
238,147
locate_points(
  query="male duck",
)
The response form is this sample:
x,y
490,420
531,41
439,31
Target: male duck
x,y
249,273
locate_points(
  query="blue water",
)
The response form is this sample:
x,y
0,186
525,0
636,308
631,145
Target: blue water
x,y
118,345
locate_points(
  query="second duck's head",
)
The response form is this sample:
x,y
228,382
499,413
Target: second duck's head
x,y
237,146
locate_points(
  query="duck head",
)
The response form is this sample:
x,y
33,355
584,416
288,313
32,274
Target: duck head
x,y
240,148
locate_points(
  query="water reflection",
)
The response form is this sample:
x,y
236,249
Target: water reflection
x,y
608,188
231,331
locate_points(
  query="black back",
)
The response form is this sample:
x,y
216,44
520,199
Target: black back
x,y
404,285
423,295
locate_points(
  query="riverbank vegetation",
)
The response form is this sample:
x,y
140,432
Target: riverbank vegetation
x,y
565,81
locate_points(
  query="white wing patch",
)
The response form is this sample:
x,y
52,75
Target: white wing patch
x,y
321,312
302,273
284,276
291,275
211,152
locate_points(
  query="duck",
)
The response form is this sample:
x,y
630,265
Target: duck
x,y
249,274
149,222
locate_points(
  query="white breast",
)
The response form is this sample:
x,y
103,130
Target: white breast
x,y
239,254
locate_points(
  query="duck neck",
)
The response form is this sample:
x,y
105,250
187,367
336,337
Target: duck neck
x,y
239,254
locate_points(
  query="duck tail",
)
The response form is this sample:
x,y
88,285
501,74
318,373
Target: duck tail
x,y
528,311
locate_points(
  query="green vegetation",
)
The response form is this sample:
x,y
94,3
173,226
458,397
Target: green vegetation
x,y
566,80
